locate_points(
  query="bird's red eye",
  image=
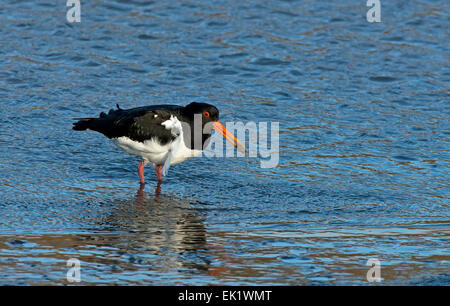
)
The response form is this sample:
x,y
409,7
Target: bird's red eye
x,y
206,114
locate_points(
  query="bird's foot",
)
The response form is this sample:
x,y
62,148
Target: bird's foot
x,y
141,172
158,173
158,189
140,192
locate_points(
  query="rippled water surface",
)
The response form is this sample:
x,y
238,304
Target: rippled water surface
x,y
363,110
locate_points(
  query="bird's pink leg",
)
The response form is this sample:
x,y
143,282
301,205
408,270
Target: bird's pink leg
x,y
158,189
158,173
141,171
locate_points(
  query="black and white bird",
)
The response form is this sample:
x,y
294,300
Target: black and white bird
x,y
162,135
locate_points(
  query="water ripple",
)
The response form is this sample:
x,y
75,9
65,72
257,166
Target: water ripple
x,y
364,160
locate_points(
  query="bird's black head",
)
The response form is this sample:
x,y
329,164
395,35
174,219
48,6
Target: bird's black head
x,y
208,112
193,113
209,121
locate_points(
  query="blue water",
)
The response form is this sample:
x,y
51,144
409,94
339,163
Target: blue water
x,y
363,110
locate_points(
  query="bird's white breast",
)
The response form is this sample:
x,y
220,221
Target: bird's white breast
x,y
154,152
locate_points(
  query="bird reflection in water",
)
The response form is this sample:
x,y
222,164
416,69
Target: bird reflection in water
x,y
160,232
135,241
190,232
141,195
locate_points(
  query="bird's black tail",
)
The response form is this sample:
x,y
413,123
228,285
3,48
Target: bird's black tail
x,y
82,124
99,124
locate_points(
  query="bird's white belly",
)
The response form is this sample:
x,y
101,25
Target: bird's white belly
x,y
155,153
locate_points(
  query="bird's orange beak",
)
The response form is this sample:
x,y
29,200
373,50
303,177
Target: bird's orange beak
x,y
228,136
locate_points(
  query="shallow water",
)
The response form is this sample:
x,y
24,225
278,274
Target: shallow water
x,y
364,143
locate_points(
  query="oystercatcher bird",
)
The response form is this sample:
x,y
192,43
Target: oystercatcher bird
x,y
161,135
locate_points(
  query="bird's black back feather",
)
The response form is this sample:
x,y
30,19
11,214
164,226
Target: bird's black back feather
x,y
139,124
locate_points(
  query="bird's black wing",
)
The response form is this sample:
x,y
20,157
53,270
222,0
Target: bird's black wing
x,y
139,124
